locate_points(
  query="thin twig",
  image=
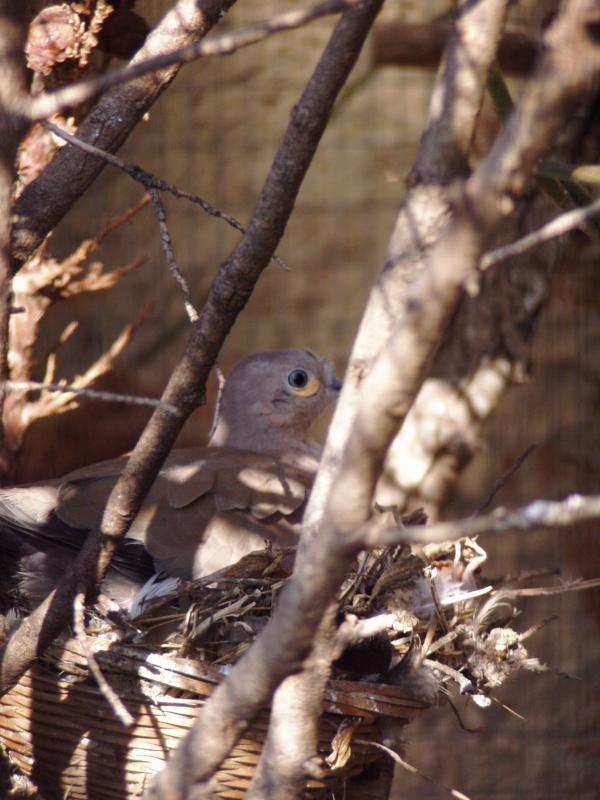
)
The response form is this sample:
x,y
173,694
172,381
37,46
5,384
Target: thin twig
x,y
576,585
410,768
551,230
538,514
45,201
150,181
502,480
111,697
167,246
45,105
93,394
220,386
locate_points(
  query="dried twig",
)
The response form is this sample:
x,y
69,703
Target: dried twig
x,y
93,394
60,401
538,514
576,585
150,181
502,480
556,227
38,108
410,768
111,697
45,201
217,411
167,246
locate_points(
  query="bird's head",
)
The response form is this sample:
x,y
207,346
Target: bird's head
x,y
270,400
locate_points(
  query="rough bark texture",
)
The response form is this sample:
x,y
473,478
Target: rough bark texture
x,y
422,45
386,392
47,199
12,87
229,294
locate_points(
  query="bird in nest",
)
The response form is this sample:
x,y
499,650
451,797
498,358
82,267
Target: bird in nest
x,y
208,507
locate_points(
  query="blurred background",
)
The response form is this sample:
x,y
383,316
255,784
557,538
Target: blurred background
x,y
214,133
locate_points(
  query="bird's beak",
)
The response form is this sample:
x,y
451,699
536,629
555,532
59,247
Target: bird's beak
x,y
336,386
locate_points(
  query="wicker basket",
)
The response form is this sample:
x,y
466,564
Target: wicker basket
x,y
58,728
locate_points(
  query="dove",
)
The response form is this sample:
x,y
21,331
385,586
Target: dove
x,y
208,507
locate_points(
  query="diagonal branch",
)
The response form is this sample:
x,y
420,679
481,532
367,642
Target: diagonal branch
x,y
46,200
222,722
323,561
228,295
562,224
151,181
442,158
42,107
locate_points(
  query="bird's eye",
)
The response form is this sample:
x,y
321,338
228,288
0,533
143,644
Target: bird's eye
x,y
298,378
303,383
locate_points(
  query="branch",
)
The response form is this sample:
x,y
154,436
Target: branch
x,y
44,106
441,160
46,200
556,227
385,394
228,295
291,740
112,698
13,32
538,514
93,394
150,181
235,702
421,45
167,246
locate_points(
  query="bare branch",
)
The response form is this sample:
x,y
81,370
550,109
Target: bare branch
x,y
167,246
45,201
112,698
235,702
412,769
556,227
502,479
441,160
405,44
150,181
292,736
229,293
93,394
42,107
12,86
538,514
385,394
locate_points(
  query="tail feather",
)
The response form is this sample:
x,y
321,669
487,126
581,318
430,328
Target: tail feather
x,y
37,547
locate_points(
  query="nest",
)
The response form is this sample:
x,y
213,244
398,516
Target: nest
x,y
433,627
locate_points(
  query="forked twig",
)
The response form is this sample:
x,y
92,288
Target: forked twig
x,y
150,181
111,697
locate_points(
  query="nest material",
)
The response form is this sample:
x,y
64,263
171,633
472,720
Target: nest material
x,y
441,627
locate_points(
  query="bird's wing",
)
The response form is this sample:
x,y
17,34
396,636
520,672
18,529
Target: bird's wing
x,y
239,479
229,501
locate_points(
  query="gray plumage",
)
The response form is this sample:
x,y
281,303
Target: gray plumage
x,y
208,507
